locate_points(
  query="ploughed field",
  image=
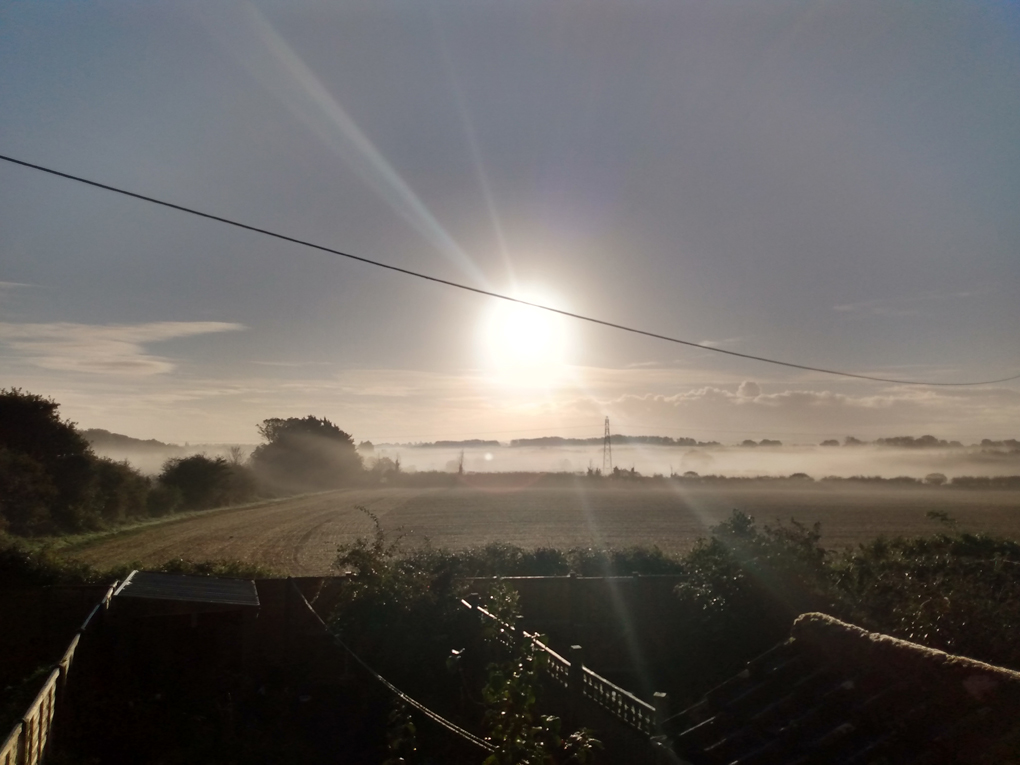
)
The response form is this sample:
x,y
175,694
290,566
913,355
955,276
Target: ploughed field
x,y
300,536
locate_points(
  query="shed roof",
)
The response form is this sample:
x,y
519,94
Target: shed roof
x,y
151,585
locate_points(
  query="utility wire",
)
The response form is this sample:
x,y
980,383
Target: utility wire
x,y
489,293
434,716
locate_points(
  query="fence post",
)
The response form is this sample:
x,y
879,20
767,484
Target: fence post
x,y
661,701
10,750
288,609
575,684
573,607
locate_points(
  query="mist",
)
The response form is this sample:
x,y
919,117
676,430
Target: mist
x,y
149,460
729,461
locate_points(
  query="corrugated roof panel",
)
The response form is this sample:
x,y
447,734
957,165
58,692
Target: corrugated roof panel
x,y
190,589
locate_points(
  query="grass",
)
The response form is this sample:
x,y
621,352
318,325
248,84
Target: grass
x,y
25,566
74,542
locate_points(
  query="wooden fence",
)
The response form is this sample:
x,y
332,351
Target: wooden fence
x,y
28,741
582,683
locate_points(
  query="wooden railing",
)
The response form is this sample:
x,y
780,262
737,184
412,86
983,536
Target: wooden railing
x,y
582,683
28,740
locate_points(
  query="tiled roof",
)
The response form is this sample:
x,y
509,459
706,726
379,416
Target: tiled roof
x,y
834,693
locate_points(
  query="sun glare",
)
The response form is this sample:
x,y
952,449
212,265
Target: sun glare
x,y
524,345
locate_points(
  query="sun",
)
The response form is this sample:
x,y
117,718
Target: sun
x,y
524,345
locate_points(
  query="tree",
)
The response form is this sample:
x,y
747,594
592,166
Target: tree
x,y
60,489
306,453
26,494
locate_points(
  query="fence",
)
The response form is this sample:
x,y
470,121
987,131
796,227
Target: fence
x,y
582,683
29,739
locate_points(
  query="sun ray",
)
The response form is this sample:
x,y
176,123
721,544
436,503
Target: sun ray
x,y
253,40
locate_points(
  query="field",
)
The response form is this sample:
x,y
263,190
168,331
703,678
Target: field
x,y
299,536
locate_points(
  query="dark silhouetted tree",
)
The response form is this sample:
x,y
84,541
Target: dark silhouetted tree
x,y
306,453
48,479
203,482
26,494
121,491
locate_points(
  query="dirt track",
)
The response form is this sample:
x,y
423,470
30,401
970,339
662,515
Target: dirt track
x,y
300,536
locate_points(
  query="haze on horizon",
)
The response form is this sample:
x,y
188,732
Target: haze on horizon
x,y
829,184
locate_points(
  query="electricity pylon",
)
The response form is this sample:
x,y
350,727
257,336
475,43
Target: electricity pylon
x,y
607,451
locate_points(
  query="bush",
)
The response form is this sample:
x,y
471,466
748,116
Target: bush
x,y
204,482
511,693
956,592
645,561
388,597
742,589
163,500
122,491
23,567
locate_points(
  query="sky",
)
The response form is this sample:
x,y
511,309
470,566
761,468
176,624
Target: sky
x,y
833,184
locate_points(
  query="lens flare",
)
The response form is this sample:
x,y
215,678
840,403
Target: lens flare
x,y
251,38
525,346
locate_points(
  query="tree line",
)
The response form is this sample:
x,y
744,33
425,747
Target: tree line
x,y
52,482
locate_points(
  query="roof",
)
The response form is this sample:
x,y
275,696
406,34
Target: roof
x,y
838,694
149,585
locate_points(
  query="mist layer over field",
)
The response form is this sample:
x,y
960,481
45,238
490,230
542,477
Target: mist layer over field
x,y
729,461
734,461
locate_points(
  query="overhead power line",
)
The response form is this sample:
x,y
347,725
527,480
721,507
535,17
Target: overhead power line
x,y
489,293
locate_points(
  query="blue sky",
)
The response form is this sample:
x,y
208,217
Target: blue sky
x,y
829,183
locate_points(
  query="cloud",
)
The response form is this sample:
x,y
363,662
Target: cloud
x,y
412,405
102,348
965,414
748,389
907,305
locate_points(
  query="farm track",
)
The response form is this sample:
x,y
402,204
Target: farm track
x,y
300,536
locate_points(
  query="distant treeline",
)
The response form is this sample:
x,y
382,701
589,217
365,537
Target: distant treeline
x,y
616,438
932,479
897,442
471,443
104,439
927,442
554,441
